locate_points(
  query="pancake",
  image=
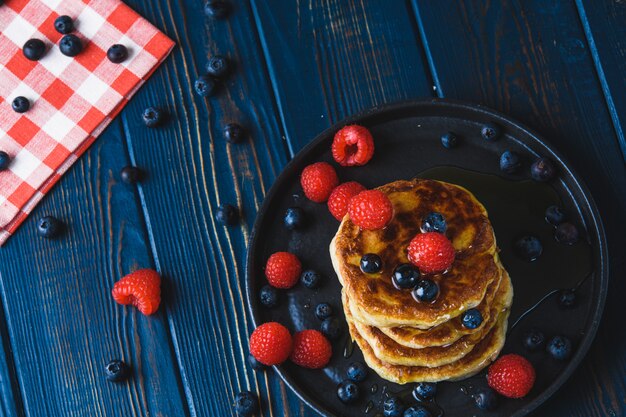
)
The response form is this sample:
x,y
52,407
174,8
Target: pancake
x,y
374,299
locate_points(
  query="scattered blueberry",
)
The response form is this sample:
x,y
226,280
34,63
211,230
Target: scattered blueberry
x,y
256,365
218,66
371,263
117,53
331,328
534,340
204,86
426,290
117,371
417,411
20,104
234,133
5,160
49,227
294,218
542,170
510,162
130,175
393,407
560,347
64,25
310,279
486,399
357,372
405,276
227,215
246,404
566,233
567,298
490,132
34,49
528,247
472,318
348,392
424,391
71,45
269,296
216,9
449,140
152,116
323,311
555,215
434,222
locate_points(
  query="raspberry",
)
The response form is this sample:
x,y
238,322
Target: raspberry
x,y
353,145
318,180
270,343
311,349
340,198
370,209
141,288
431,252
512,376
283,270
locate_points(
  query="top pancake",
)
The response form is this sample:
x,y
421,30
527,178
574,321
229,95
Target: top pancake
x,y
374,299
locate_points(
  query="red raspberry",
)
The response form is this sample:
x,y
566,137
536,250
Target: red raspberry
x,y
283,270
340,198
141,288
431,252
318,180
270,343
512,376
353,145
311,349
370,209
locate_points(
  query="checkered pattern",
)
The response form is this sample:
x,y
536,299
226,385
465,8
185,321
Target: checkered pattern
x,y
72,99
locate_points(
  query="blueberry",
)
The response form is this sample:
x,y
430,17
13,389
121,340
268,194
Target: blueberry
x,y
152,116
434,222
130,175
204,86
449,140
560,347
555,215
510,162
528,247
393,407
34,49
486,399
117,371
371,263
227,215
269,296
117,53
323,311
426,290
218,66
234,133
246,404
64,25
405,276
5,160
216,9
417,411
348,392
424,391
534,340
567,298
472,318
490,132
311,279
357,371
20,104
294,218
71,45
256,365
542,170
331,328
49,227
566,233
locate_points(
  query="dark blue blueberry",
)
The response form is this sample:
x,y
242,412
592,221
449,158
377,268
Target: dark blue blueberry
x,y
116,371
566,233
152,116
486,399
323,311
204,86
528,247
417,411
5,160
294,218
130,175
234,133
371,263
542,170
216,9
246,404
510,162
534,340
20,104
331,327
269,296
227,215
393,407
49,227
256,365
424,391
434,222
449,140
426,290
567,298
34,49
117,53
472,318
560,347
490,132
311,279
71,45
357,371
348,392
218,66
555,215
405,276
64,25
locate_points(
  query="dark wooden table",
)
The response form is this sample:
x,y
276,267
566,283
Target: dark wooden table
x,y
558,66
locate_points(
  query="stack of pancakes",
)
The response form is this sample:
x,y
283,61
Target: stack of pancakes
x,y
402,339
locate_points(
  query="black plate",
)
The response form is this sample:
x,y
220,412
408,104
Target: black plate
x,y
407,143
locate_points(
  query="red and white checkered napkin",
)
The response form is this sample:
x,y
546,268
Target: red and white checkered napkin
x,y
72,99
